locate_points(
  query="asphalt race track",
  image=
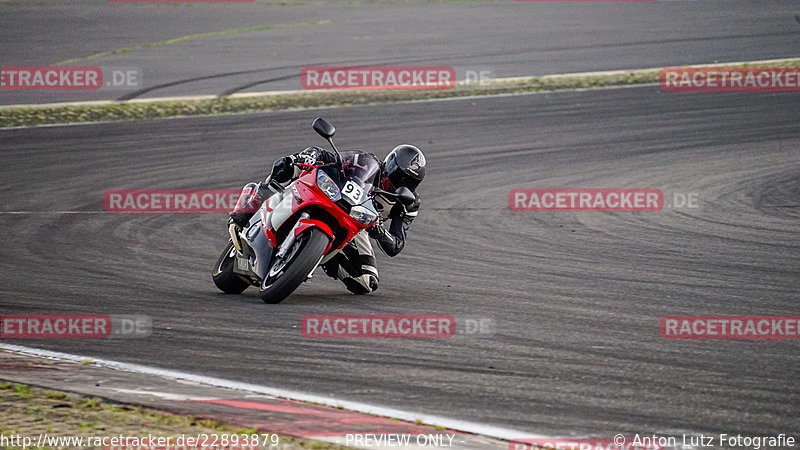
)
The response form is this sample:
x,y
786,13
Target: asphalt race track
x,y
506,38
576,297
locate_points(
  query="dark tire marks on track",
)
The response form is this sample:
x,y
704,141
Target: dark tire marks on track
x,y
505,37
577,297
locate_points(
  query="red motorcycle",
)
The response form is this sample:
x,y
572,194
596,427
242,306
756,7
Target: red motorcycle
x,y
317,214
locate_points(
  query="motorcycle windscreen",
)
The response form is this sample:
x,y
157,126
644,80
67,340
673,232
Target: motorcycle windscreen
x,y
359,173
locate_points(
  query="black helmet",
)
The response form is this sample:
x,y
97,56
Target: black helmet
x,y
403,166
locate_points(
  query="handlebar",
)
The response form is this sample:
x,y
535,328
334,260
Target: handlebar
x,y
310,166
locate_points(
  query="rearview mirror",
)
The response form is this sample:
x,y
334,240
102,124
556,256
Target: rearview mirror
x,y
405,196
323,128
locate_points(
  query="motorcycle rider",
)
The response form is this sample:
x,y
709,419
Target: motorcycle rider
x,y
355,263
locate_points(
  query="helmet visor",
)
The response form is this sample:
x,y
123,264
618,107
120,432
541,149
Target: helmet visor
x,y
398,178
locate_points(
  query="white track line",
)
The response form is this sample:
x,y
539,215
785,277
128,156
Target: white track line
x,y
454,424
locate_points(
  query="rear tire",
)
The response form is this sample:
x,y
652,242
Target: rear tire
x,y
224,277
299,267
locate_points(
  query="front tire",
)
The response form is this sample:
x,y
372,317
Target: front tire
x,y
224,277
313,243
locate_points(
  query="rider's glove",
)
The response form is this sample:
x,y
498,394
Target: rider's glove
x,y
414,207
305,157
283,169
407,213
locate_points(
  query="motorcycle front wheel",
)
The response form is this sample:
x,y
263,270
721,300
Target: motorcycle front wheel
x,y
288,274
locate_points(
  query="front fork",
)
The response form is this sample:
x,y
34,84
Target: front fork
x,y
290,238
278,263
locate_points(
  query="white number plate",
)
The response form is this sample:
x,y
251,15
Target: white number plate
x,y
352,191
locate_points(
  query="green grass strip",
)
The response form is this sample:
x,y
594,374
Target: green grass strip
x,y
29,116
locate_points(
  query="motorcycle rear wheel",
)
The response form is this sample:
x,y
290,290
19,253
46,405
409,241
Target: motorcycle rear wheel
x,y
224,277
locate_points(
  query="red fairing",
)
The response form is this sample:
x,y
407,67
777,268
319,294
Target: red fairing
x,y
310,195
308,223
